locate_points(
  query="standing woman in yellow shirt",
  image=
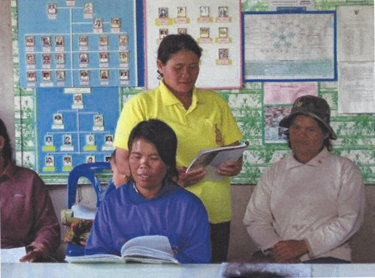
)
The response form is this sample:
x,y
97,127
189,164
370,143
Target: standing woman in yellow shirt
x,y
200,118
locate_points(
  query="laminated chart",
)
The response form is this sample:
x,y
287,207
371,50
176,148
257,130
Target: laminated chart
x,y
289,46
76,127
77,43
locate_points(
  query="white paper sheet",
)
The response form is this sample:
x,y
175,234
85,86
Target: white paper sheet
x,y
356,87
356,59
12,255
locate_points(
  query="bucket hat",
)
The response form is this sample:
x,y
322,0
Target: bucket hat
x,y
314,107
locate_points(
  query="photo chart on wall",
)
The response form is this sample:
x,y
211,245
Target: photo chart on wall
x,y
214,24
77,43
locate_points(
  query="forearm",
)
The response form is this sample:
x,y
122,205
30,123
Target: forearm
x,y
122,161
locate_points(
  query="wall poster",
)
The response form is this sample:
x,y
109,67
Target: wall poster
x,y
215,24
77,43
294,46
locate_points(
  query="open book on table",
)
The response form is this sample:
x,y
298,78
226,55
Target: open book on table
x,y
212,158
153,249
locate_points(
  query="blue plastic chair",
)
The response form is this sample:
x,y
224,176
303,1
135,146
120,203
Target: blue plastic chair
x,y
89,171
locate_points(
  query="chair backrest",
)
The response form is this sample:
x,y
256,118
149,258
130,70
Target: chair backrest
x,y
89,171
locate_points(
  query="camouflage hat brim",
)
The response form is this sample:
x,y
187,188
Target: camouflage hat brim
x,y
285,122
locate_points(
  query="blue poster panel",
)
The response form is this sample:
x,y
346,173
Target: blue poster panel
x,y
77,43
74,126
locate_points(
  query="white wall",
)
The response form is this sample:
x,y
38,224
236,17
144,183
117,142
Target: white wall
x,y
6,69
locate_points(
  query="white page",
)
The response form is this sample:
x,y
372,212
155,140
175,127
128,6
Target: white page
x,y
355,33
12,255
356,87
83,212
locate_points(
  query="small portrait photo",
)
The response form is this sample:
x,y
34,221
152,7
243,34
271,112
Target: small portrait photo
x,y
182,30
163,12
60,58
204,11
124,56
109,140
107,158
31,76
204,32
223,11
68,161
98,23
30,59
90,159
83,58
163,32
59,41
46,75
223,53
223,32
124,75
30,41
48,140
84,75
77,99
90,139
104,74
83,41
46,57
88,9
60,75
52,9
115,22
123,40
98,120
67,139
181,11
57,119
50,162
103,57
103,40
46,41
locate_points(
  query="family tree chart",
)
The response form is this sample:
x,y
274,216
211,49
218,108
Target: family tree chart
x,y
77,43
71,132
76,56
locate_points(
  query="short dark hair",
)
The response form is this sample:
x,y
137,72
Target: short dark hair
x,y
174,43
162,137
7,150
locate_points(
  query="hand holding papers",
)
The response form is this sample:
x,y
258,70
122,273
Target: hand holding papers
x,y
211,159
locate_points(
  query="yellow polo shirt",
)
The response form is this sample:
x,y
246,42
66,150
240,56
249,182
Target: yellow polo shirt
x,y
208,123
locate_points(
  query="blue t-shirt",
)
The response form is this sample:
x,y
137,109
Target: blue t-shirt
x,y
174,213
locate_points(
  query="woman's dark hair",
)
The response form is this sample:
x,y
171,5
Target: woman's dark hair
x,y
162,137
7,150
174,43
327,142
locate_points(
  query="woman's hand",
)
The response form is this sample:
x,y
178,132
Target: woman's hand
x,y
192,177
230,168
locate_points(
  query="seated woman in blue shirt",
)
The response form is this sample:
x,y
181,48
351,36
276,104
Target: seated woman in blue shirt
x,y
151,203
